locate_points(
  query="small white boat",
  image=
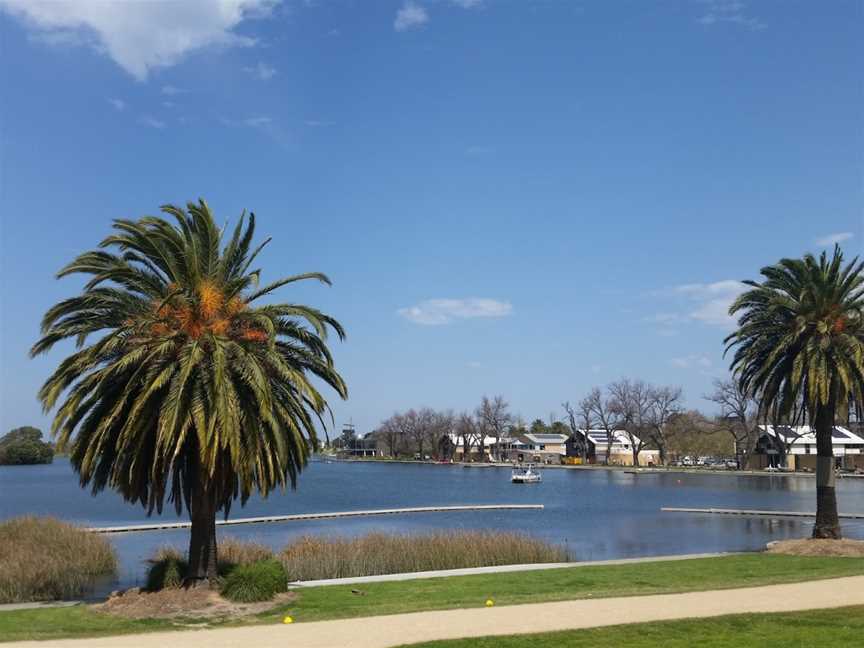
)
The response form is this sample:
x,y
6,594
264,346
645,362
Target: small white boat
x,y
526,475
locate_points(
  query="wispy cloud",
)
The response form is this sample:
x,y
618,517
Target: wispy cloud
x,y
258,122
830,240
731,12
434,312
317,123
171,90
707,303
474,364
692,361
713,301
152,122
467,4
140,36
410,16
119,104
262,71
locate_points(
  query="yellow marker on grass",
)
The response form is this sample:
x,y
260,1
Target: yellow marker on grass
x,y
288,619
489,602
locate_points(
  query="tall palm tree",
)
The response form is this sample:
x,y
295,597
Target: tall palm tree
x,y
800,338
180,383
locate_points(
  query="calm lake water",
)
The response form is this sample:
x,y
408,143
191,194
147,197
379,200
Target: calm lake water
x,y
596,514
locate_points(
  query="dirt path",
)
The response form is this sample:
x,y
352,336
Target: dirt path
x,y
387,631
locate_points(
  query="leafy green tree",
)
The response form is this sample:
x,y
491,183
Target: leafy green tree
x,y
24,445
181,385
800,337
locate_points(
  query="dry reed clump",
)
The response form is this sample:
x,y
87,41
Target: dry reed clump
x,y
43,559
315,558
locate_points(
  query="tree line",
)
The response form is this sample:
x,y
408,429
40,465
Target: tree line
x,y
652,417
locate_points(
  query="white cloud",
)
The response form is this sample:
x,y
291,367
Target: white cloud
x,y
152,122
258,122
118,104
714,300
139,36
730,12
433,312
692,361
474,364
831,240
262,71
467,4
409,16
703,302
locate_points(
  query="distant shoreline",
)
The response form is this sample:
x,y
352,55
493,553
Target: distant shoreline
x,y
642,470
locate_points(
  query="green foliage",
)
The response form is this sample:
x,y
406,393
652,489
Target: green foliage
x,y
24,445
166,571
43,559
258,581
179,378
801,334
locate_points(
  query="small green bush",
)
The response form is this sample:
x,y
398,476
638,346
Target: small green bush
x,y
168,565
167,569
258,581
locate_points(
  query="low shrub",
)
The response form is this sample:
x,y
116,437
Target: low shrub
x,y
257,581
167,569
168,565
314,558
43,559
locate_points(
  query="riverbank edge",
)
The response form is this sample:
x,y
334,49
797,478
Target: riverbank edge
x,y
384,600
641,470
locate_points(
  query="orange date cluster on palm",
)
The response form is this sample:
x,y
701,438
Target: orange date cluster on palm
x,y
205,312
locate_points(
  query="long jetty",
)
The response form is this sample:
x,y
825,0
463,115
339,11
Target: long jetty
x,y
757,512
303,517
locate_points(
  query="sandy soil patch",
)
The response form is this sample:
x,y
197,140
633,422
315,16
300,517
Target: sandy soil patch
x,y
181,603
810,547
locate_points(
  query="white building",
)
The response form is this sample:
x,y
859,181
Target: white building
x,y
800,442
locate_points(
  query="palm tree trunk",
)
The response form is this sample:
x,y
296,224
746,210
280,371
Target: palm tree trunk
x,y
827,522
202,541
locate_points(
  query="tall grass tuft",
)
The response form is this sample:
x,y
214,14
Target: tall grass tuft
x,y
43,559
314,558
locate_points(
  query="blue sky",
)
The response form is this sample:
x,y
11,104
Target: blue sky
x,y
524,198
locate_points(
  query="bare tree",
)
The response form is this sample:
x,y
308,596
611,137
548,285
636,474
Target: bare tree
x,y
391,433
441,426
581,415
738,415
466,429
494,418
601,406
631,401
665,403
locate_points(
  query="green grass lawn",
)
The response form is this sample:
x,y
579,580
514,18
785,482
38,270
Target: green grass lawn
x,y
836,627
338,601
